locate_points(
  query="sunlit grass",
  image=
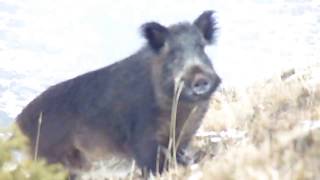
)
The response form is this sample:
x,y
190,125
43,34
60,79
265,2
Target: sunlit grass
x,y
15,164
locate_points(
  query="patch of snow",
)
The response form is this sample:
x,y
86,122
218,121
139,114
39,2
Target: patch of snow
x,y
309,125
223,135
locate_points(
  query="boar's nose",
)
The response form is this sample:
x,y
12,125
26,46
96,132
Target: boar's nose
x,y
201,84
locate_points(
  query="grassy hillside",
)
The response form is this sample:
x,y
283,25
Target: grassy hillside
x,y
270,130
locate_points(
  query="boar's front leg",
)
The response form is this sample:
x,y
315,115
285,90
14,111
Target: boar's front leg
x,y
148,156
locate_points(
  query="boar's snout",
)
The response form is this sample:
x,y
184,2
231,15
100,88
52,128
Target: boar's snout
x,y
204,85
201,84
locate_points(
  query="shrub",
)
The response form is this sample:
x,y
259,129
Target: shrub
x,y
15,164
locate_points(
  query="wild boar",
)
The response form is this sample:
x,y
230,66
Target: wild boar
x,y
124,109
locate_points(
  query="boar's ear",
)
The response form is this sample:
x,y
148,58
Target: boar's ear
x,y
156,34
207,25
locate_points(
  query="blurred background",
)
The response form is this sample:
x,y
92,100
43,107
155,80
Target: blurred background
x,y
43,42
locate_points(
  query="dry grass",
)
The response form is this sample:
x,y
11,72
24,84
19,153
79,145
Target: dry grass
x,y
280,124
38,137
270,130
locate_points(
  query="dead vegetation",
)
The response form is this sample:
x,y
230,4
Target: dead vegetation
x,y
275,130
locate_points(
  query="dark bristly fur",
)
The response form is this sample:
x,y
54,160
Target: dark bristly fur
x,y
124,109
